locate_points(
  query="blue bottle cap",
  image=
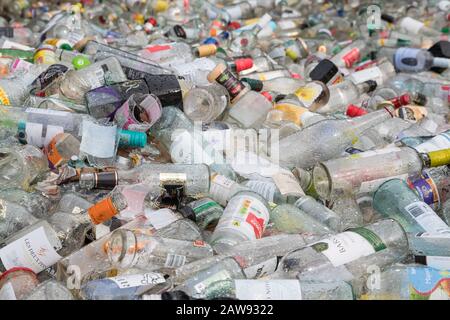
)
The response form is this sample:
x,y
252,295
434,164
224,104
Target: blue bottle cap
x,y
132,139
210,40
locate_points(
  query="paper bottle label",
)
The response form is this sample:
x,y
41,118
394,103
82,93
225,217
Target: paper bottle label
x,y
32,251
137,280
268,290
428,284
349,246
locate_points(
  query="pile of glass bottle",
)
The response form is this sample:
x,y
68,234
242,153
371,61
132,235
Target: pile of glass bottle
x,y
273,149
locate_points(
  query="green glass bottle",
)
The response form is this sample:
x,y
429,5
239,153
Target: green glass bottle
x,y
396,200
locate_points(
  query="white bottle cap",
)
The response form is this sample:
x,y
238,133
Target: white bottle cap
x,y
265,19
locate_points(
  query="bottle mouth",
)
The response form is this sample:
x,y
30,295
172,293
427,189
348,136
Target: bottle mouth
x,y
121,248
322,181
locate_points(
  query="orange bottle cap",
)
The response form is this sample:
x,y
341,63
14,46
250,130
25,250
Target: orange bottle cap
x,y
102,211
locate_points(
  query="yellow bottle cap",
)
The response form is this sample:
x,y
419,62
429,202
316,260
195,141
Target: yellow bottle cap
x,y
439,158
161,6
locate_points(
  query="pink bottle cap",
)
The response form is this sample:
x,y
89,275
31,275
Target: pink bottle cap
x,y
243,64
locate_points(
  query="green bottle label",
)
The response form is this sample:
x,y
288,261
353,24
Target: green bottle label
x,y
371,237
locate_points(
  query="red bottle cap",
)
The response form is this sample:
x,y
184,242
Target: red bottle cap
x,y
403,100
267,95
295,75
152,21
243,64
234,25
355,111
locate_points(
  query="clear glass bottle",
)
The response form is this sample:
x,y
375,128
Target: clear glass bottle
x,y
17,283
365,171
279,290
205,103
247,40
320,212
134,248
290,219
326,139
127,286
50,290
410,282
194,178
21,166
416,27
245,217
342,94
413,60
248,108
351,54
346,256
76,83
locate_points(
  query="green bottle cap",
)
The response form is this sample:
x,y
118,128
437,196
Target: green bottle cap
x,y
445,30
132,139
66,46
80,62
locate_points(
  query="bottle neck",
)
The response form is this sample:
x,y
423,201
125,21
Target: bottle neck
x,y
367,121
441,63
436,158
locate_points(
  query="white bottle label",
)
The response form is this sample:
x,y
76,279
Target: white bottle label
x,y
268,290
288,184
265,189
32,251
349,246
427,218
441,141
220,189
411,25
97,78
246,214
262,269
174,260
137,280
286,24
7,292
160,218
440,263
98,141
373,73
35,133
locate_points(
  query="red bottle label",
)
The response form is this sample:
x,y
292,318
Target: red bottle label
x,y
351,57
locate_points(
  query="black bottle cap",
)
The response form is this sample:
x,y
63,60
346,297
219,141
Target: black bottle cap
x,y
188,213
279,97
419,99
440,49
175,295
324,71
372,85
420,259
387,17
